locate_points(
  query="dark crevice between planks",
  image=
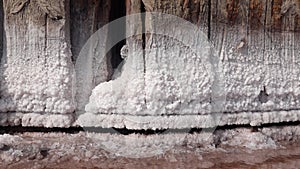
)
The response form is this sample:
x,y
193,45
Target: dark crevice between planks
x,y
118,10
1,31
143,10
2,41
124,131
209,18
20,130
88,16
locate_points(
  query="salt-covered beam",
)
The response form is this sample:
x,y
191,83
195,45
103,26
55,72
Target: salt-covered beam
x,y
36,71
250,76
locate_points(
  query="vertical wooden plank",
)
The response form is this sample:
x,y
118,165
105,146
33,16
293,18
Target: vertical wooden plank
x,y
175,77
135,60
230,38
1,29
82,23
250,39
57,49
37,66
134,26
257,44
87,16
3,116
92,68
287,70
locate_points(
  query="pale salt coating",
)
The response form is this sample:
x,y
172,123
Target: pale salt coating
x,y
9,139
260,84
186,121
167,78
30,87
36,70
261,64
178,80
122,95
161,90
171,78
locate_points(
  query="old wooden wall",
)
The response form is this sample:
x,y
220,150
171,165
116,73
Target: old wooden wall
x,y
257,49
257,44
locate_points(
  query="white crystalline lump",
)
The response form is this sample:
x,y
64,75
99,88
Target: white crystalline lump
x,y
175,82
122,95
9,139
250,140
178,81
36,86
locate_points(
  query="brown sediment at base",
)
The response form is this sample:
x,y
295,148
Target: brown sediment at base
x,y
268,147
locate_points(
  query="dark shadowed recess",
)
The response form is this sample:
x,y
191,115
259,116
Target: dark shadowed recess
x,y
125,131
1,30
88,16
2,39
118,10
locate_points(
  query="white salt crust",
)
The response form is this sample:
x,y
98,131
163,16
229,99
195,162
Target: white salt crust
x,y
36,120
186,121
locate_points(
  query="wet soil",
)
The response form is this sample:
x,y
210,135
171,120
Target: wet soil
x,y
99,150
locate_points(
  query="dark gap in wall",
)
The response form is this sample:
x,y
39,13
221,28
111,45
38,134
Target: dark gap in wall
x,y
209,15
20,129
118,10
77,13
2,46
86,17
143,10
1,30
144,41
81,24
125,131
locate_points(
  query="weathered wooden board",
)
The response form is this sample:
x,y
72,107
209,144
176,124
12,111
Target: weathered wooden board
x,y
256,43
36,67
87,17
164,82
124,94
177,80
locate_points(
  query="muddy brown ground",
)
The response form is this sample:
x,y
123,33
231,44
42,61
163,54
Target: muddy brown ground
x,y
238,148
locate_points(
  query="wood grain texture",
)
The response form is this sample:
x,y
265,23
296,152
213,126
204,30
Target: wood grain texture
x,y
16,6
258,46
55,9
36,68
87,18
257,42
